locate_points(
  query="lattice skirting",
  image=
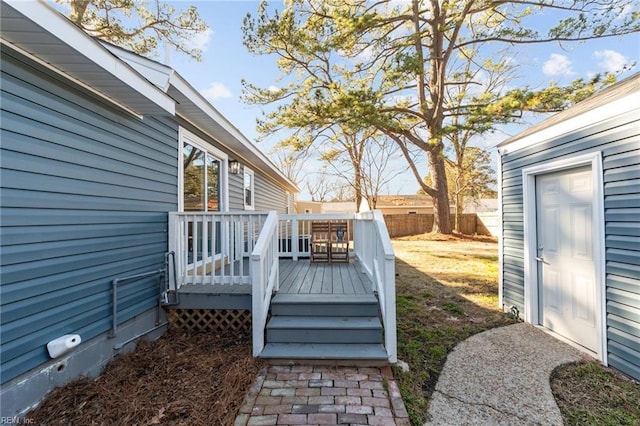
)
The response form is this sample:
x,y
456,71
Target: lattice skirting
x,y
218,320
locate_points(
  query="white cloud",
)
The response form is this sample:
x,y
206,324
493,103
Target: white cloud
x,y
557,65
200,40
610,60
216,91
273,89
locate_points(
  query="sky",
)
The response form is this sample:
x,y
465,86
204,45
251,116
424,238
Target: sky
x,y
226,62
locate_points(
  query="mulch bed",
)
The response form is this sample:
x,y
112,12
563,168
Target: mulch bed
x,y
179,379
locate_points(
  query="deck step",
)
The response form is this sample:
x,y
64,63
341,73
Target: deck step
x,y
324,351
351,305
324,329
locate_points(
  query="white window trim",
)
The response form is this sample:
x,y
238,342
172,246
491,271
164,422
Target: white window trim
x,y
531,308
252,206
185,136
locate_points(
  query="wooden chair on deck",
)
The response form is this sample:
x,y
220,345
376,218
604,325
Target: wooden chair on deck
x,y
320,242
339,249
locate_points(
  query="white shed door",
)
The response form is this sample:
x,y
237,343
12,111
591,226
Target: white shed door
x,y
565,255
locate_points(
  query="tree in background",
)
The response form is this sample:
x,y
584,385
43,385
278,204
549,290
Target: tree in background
x,y
321,187
471,179
289,160
138,25
388,65
377,172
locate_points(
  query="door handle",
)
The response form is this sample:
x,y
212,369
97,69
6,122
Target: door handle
x,y
541,259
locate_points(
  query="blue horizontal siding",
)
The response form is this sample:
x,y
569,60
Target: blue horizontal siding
x,y
85,193
619,142
269,196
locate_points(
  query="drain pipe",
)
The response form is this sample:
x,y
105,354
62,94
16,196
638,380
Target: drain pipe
x,y
114,294
137,336
167,289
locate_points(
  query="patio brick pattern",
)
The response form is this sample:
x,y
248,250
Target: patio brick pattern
x,y
321,395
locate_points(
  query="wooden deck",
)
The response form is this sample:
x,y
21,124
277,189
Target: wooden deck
x,y
298,277
304,277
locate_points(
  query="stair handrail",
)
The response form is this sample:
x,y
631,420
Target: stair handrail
x,y
264,274
375,253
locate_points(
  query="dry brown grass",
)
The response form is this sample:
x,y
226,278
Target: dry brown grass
x,y
588,393
180,379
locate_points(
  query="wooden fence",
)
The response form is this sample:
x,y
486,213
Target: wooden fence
x,y
400,225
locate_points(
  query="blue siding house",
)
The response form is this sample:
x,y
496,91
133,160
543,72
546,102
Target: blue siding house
x,y
128,202
570,240
97,147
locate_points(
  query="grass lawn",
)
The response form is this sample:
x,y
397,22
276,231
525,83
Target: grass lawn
x,y
590,394
447,291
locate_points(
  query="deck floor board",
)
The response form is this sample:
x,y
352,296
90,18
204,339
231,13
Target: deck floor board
x,y
297,276
324,278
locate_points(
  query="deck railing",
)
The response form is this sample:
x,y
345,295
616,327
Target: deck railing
x,y
294,232
374,252
264,278
244,248
211,248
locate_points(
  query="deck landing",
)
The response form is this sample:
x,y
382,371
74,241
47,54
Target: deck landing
x,y
304,277
296,277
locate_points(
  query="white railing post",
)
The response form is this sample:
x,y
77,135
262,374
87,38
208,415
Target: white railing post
x,y
295,243
264,275
173,242
257,296
374,251
390,332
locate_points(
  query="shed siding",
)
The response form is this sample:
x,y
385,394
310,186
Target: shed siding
x,y
85,193
619,141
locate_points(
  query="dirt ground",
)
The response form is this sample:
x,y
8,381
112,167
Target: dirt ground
x,y
180,379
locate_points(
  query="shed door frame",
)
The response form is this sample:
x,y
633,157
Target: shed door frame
x,y
531,303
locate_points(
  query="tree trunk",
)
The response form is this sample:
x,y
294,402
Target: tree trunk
x,y
442,215
459,209
78,10
358,187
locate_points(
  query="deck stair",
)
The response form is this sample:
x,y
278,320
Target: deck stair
x,y
340,327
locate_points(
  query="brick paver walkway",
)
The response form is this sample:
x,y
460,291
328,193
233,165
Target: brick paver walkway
x,y
313,395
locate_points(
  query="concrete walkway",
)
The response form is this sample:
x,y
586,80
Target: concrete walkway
x,y
320,395
501,377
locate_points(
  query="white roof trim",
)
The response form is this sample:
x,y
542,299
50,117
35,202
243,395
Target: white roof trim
x,y
56,24
587,119
207,119
157,73
177,81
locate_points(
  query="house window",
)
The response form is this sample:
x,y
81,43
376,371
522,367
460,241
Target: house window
x,y
203,188
203,175
249,196
201,180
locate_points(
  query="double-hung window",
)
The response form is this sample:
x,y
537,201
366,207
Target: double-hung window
x,y
249,197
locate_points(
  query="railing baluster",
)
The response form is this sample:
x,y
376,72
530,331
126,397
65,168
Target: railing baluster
x,y
214,236
206,244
